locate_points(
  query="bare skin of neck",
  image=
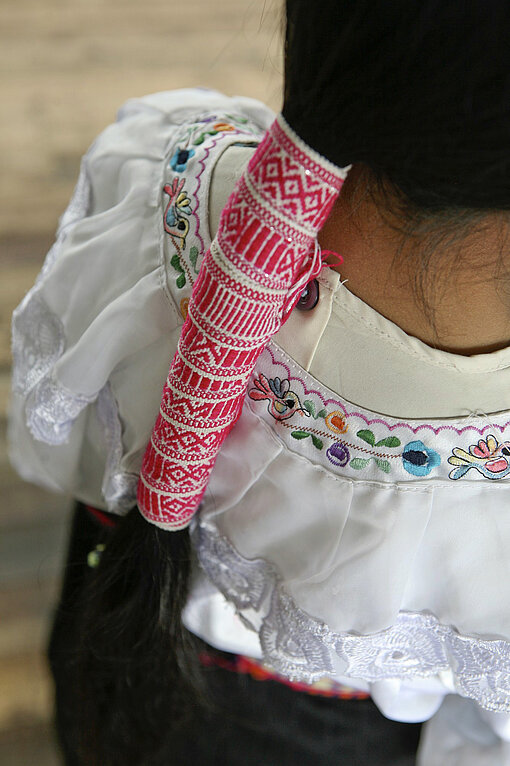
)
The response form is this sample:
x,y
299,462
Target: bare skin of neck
x,y
465,312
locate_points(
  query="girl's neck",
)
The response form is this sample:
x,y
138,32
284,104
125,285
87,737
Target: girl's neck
x,y
447,288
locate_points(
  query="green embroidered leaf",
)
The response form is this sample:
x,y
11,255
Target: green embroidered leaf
x,y
317,442
180,281
359,462
193,255
176,263
322,414
309,407
389,441
299,434
367,436
384,465
199,139
237,118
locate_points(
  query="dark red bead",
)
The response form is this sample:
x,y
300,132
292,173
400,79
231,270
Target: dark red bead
x,y
309,297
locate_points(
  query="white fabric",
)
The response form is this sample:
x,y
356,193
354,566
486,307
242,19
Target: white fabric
x,y
461,734
367,547
376,547
375,364
106,292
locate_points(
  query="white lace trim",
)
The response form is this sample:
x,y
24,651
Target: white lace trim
x,y
303,648
37,342
119,487
51,410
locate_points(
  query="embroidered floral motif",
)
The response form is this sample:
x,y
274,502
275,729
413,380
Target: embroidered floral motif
x,y
338,454
376,447
358,463
490,458
211,125
187,156
335,421
178,209
282,402
176,223
180,159
184,308
219,126
193,255
419,459
305,434
368,436
309,406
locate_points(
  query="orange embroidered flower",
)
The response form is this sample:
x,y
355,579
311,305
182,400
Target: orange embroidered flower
x,y
223,126
335,421
184,308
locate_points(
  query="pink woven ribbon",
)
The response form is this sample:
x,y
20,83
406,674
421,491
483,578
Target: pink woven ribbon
x,y
263,256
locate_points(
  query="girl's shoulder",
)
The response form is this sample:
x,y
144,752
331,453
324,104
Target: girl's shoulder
x,y
93,338
185,105
203,157
157,163
191,119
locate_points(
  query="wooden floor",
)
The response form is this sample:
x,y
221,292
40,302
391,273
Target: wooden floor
x,y
65,68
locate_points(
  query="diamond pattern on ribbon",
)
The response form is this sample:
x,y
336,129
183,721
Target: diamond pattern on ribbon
x,y
265,241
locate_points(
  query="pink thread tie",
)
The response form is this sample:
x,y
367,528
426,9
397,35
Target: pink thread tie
x,y
264,254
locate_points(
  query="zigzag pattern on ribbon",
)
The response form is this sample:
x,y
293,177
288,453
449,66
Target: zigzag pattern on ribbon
x,y
264,253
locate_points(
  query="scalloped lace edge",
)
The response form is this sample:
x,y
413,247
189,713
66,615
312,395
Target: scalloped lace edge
x,y
303,648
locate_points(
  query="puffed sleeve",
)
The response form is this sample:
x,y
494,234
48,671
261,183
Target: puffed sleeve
x,y
93,338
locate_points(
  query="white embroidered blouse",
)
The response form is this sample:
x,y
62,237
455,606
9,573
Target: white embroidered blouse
x,y
356,524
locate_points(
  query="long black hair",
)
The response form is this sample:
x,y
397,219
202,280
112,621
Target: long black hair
x,y
419,92
127,671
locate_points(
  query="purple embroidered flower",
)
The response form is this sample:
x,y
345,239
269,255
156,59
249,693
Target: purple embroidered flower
x,y
180,159
419,459
338,454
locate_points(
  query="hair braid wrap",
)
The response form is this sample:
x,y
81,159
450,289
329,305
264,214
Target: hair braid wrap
x,y
264,254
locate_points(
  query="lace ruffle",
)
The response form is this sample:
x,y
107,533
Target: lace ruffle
x,y
51,411
119,487
303,648
37,342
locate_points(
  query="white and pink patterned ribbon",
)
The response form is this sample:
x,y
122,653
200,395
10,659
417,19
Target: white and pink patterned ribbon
x,y
264,254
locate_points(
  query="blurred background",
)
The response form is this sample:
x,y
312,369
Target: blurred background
x,y
65,68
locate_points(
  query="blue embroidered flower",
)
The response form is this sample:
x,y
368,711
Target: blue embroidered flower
x,y
180,159
419,459
338,454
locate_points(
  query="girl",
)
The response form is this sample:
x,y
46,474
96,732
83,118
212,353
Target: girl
x,y
352,532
